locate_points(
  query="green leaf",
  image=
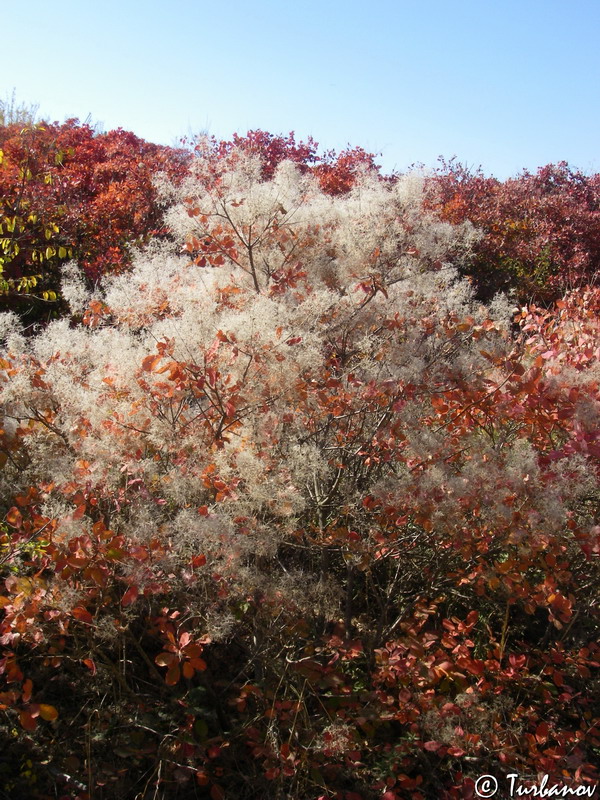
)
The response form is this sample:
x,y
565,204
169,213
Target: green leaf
x,y
200,729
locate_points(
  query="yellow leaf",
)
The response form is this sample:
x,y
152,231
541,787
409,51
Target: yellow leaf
x,y
24,585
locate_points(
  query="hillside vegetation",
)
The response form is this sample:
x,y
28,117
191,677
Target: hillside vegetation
x,y
300,472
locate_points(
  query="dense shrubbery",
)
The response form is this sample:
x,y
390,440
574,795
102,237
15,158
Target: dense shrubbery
x,y
289,512
66,192
541,233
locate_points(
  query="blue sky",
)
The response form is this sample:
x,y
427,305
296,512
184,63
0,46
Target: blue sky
x,y
505,84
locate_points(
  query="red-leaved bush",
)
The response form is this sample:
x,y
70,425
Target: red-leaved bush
x,y
67,192
541,232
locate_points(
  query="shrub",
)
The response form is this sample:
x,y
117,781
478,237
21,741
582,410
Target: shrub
x,y
541,232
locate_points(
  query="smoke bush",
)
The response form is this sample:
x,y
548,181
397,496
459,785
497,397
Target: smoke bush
x,y
296,405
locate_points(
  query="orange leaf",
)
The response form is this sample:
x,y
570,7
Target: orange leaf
x,y
27,690
90,665
188,670
82,614
202,777
14,517
150,362
49,713
99,528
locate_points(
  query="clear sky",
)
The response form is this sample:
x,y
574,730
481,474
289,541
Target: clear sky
x,y
501,84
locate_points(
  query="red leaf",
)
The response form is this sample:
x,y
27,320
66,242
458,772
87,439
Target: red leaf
x,y
166,660
27,721
192,650
139,553
541,732
173,675
217,792
517,661
130,596
558,678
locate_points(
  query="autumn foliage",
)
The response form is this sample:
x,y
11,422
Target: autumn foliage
x,y
288,511
69,193
540,232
